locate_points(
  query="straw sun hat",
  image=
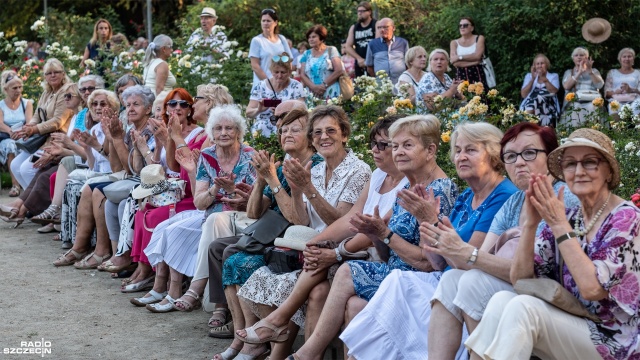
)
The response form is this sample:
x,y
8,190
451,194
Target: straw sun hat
x,y
596,30
590,138
152,182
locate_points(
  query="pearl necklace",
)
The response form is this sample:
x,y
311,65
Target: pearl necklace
x,y
580,220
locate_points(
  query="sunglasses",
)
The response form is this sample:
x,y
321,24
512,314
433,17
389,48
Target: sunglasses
x,y
464,26
381,145
198,98
275,118
283,58
88,88
268,11
68,96
101,103
173,103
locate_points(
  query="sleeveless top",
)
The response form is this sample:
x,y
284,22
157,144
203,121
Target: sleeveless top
x,y
149,77
383,201
466,50
362,36
13,117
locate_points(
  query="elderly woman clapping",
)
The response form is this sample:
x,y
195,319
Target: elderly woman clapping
x,y
597,243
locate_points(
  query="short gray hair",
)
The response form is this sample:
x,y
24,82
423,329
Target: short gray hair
x,y
438,51
580,49
143,92
480,133
95,78
124,80
227,112
158,42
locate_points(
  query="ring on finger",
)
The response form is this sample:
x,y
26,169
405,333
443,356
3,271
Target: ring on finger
x,y
435,244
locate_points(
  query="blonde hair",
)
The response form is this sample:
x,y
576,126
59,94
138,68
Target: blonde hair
x,y
546,60
216,95
412,53
424,127
94,38
439,51
480,133
74,90
578,50
7,77
112,99
626,50
55,65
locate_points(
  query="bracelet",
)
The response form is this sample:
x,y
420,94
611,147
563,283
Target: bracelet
x,y
181,146
473,257
211,195
567,236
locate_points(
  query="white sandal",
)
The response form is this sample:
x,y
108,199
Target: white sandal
x,y
162,308
144,301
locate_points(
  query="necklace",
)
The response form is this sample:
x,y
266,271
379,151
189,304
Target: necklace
x,y
12,104
580,220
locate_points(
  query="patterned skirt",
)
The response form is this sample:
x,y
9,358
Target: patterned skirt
x,y
69,216
543,105
239,267
473,74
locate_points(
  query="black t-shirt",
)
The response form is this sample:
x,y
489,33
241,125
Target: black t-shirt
x,y
362,36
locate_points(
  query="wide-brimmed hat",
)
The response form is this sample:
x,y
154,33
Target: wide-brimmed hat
x,y
596,30
590,138
296,237
152,182
209,12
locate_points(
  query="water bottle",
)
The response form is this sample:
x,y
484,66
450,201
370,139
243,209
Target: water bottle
x,y
172,210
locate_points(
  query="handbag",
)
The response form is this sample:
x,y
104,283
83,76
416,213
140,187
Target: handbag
x,y
554,293
489,73
507,243
119,190
587,95
261,234
35,142
346,86
282,260
172,195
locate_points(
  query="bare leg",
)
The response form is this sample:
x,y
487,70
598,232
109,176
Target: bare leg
x,y
331,320
160,282
198,286
444,330
354,306
175,284
283,349
10,158
61,181
471,323
317,298
86,222
296,299
249,319
236,312
103,245
143,272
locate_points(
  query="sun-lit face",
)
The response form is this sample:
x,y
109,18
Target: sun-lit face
x,y
201,106
136,110
408,152
225,133
72,100
207,22
520,171
626,60
98,104
268,24
465,27
439,63
54,76
13,89
578,57
540,65
586,171
293,137
328,138
281,75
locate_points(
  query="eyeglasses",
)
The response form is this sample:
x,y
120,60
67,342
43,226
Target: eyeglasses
x,y
464,26
361,11
101,104
511,157
173,103
268,11
198,98
275,118
49,73
88,88
587,164
283,58
292,130
69,96
381,145
329,131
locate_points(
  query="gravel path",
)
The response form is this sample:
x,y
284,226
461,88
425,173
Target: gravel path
x,y
81,314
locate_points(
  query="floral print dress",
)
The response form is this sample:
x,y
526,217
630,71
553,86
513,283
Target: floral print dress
x,y
614,252
262,90
320,68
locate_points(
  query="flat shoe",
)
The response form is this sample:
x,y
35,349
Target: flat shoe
x,y
162,308
252,357
222,332
228,354
184,305
15,191
46,229
63,261
84,263
280,334
144,285
109,266
144,301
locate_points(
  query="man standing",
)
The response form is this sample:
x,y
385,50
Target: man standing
x,y
359,36
387,52
206,33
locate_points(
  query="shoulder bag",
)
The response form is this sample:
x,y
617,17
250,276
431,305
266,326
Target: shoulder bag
x,y
261,234
554,293
487,66
33,143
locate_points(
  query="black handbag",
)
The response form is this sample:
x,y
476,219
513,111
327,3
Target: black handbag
x,y
283,260
35,142
263,232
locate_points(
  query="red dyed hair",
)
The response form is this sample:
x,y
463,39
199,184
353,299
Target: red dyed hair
x,y
184,95
546,133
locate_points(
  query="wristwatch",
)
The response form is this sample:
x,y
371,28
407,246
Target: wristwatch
x,y
473,257
460,57
338,256
387,239
276,189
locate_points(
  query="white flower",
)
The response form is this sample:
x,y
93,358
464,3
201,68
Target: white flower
x,y
1,34
225,45
140,51
187,64
630,147
90,63
38,24
234,43
22,43
239,53
65,48
391,110
197,69
72,72
74,57
55,44
8,47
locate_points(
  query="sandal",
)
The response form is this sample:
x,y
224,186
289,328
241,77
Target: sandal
x,y
223,332
46,229
184,305
84,263
280,334
8,211
228,354
50,216
216,321
16,220
162,308
144,285
15,191
146,300
64,261
109,266
253,357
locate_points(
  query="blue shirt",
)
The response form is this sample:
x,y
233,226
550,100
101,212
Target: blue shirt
x,y
389,58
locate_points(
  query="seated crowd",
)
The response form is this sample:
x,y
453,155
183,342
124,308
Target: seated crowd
x,y
157,186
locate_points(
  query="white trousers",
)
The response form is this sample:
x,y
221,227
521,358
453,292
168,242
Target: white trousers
x,y
23,170
515,326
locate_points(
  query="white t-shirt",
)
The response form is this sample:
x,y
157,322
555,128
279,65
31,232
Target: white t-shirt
x,y
385,201
264,50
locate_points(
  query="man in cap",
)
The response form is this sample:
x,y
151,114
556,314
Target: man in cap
x,y
209,33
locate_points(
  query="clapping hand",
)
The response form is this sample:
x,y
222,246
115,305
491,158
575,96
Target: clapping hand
x,y
547,205
372,225
298,177
264,164
188,160
420,203
225,182
62,139
159,130
116,130
239,198
44,160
